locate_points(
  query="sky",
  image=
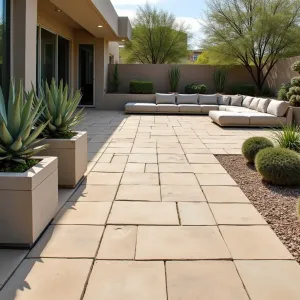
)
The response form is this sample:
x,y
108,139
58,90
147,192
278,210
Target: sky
x,y
189,11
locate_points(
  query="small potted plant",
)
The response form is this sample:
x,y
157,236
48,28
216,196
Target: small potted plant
x,y
28,184
68,145
174,79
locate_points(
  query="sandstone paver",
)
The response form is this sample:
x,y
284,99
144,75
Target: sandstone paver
x,y
202,159
109,167
172,158
182,193
224,194
174,168
215,179
143,158
140,178
208,169
135,167
103,178
178,179
139,193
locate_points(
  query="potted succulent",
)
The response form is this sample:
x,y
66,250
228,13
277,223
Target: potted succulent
x,y
69,146
28,184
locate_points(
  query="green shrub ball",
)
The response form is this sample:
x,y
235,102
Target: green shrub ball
x,y
279,166
253,145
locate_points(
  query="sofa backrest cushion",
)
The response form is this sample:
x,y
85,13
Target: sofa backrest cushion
x,y
224,99
263,105
236,100
247,101
208,99
165,98
254,103
278,108
187,99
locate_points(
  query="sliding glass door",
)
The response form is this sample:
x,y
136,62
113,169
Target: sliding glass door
x,y
63,59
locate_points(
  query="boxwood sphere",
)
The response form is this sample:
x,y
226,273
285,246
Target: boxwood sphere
x,y
279,166
253,145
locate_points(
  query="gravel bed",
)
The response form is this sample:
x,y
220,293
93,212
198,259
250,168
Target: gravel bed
x,y
276,204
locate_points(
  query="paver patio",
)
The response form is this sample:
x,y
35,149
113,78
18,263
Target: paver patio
x,y
157,218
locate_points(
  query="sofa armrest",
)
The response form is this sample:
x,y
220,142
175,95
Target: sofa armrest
x,y
289,116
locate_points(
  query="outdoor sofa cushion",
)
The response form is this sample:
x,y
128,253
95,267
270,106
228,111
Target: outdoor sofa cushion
x,y
208,99
238,109
224,99
266,119
278,108
165,98
225,118
247,101
167,108
140,107
236,100
205,108
263,105
254,103
187,99
190,108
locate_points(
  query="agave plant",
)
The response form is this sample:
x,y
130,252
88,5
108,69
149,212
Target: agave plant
x,y
174,78
18,133
60,108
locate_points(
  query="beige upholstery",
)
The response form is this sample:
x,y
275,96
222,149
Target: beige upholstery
x,y
225,118
266,120
263,105
208,108
236,100
165,98
254,103
190,108
247,101
208,99
187,99
224,99
140,107
238,109
167,108
278,108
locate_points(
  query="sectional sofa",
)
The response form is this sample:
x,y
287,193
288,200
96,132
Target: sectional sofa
x,y
224,110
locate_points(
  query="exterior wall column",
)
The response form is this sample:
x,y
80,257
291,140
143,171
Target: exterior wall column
x,y
24,31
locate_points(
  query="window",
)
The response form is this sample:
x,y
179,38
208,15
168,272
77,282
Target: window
x,y
63,59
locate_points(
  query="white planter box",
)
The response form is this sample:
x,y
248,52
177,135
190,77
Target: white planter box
x,y
28,202
72,158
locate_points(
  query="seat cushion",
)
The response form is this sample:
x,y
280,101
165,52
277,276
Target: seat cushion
x,y
140,107
167,108
187,99
165,98
266,120
224,99
223,107
263,105
278,108
207,108
208,99
225,118
238,109
247,101
236,100
254,103
190,108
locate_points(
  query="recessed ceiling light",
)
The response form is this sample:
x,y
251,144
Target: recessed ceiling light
x,y
57,10
123,40
100,26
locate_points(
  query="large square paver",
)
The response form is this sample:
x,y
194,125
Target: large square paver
x,y
103,178
202,159
118,243
207,280
127,280
172,158
224,194
68,241
135,167
270,280
147,213
180,193
48,279
109,167
254,242
83,213
178,179
208,169
95,193
215,179
195,214
180,242
175,168
140,178
236,214
139,192
143,158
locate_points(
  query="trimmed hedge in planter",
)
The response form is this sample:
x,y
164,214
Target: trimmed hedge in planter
x,y
141,87
195,89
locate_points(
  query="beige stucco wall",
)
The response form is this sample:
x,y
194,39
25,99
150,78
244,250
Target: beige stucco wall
x,y
113,49
158,74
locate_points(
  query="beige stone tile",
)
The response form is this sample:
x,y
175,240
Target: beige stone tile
x,y
109,168
96,147
197,151
195,214
202,159
233,151
120,145
68,241
119,159
48,279
178,179
167,150
151,168
218,151
103,178
215,179
135,167
174,168
254,242
83,213
94,156
180,243
139,193
144,144
118,150
195,145
213,280
95,193
224,194
172,158
143,150
144,213
140,178
143,158
106,158
270,280
118,243
127,280
180,193
208,169
9,260
236,214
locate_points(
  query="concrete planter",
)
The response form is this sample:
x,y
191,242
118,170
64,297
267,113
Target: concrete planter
x,y
296,115
28,202
72,158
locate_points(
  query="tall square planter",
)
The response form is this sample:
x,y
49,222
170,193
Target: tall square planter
x,y
28,203
72,158
296,115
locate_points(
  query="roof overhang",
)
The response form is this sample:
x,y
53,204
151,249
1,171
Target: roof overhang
x,y
98,17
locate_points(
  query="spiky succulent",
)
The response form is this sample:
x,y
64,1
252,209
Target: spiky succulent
x,y
18,133
60,108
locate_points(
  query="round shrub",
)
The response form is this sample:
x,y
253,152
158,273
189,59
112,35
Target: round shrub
x,y
295,81
279,166
253,145
195,89
296,66
282,92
